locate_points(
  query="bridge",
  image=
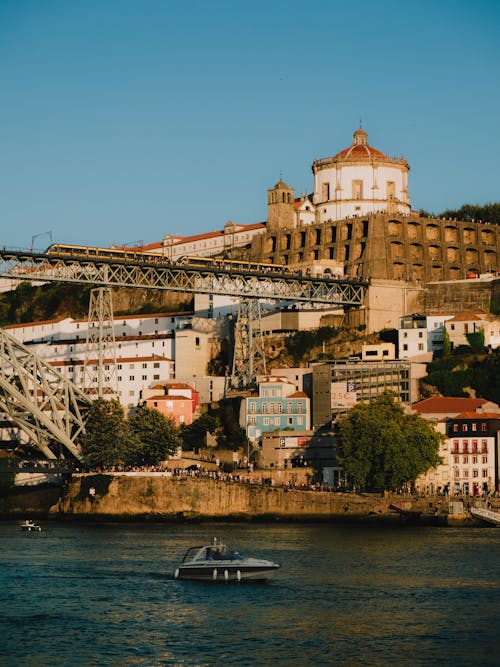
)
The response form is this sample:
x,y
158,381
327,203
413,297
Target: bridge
x,y
48,408
162,275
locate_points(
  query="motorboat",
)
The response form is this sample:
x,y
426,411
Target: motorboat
x,y
215,562
30,526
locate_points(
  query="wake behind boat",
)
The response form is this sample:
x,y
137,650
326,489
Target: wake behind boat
x,y
215,562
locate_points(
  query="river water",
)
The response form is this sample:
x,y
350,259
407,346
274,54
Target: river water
x,y
98,595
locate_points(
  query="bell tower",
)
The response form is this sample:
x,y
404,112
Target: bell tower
x,y
280,200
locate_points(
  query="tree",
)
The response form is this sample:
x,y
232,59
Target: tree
x,y
155,437
107,436
194,435
382,448
476,341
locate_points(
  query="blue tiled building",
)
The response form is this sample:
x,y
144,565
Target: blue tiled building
x,y
277,407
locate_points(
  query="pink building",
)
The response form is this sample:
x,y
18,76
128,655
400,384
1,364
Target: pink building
x,y
177,408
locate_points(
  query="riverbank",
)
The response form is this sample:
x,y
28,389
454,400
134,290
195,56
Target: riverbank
x,y
163,497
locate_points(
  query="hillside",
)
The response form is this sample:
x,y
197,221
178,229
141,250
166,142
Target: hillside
x,y
28,303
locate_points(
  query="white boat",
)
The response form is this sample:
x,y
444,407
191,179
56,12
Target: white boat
x,y
486,515
30,526
215,562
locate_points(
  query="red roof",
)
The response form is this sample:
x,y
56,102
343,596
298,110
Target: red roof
x,y
477,415
448,405
298,394
360,149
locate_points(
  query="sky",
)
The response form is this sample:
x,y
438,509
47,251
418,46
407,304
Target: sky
x,y
125,120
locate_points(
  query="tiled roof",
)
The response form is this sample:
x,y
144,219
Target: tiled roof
x,y
467,316
477,415
33,324
448,405
79,362
298,394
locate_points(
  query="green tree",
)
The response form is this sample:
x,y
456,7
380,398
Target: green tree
x,y
155,437
231,435
446,344
194,435
476,341
382,448
107,438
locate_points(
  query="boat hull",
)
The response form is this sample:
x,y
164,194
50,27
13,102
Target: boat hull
x,y
225,572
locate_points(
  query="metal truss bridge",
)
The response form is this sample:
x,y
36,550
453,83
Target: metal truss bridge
x,y
153,274
49,409
40,401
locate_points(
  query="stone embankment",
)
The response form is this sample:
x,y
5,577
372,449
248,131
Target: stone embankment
x,y
162,497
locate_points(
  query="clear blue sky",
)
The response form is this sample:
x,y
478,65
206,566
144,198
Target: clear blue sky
x,y
125,120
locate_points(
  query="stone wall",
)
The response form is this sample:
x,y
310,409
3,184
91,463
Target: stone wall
x,y
160,497
388,246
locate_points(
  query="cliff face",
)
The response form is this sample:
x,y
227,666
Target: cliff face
x,y
161,497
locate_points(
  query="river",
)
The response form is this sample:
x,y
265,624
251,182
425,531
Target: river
x,y
81,594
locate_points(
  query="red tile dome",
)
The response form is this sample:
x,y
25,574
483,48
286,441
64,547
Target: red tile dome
x,y
360,150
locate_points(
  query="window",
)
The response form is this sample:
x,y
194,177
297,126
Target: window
x,y
420,334
466,473
265,421
466,459
253,407
156,377
131,378
455,428
475,473
420,346
485,472
357,189
464,428
144,365
405,347
325,191
276,421
131,392
485,459
144,377
119,378
156,364
131,366
197,341
264,407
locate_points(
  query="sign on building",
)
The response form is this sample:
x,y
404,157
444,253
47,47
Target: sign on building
x,y
344,394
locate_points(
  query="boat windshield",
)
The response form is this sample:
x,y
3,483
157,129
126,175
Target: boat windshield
x,y
213,552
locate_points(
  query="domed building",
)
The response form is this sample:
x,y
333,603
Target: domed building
x,y
360,180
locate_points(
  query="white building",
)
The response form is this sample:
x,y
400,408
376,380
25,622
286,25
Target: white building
x,y
170,342
467,322
358,180
419,336
134,375
210,244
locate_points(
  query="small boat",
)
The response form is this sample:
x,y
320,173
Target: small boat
x,y
215,562
486,515
30,526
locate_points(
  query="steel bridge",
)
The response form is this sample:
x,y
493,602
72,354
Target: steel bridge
x,y
50,409
155,274
39,400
